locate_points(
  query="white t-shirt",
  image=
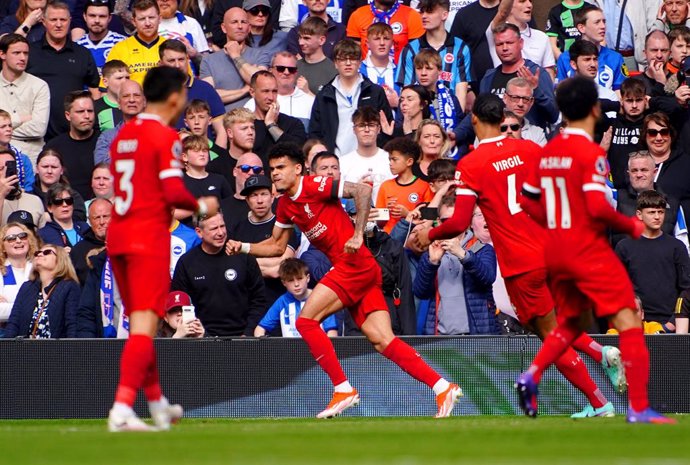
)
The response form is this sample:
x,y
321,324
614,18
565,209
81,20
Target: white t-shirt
x,y
292,13
535,47
353,166
173,28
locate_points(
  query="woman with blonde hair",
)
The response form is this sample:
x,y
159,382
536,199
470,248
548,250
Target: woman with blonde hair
x,y
435,144
46,306
18,246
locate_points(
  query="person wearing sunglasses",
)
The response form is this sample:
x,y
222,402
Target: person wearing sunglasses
x,y
263,35
292,98
46,305
235,207
673,164
271,125
16,252
62,229
511,125
50,169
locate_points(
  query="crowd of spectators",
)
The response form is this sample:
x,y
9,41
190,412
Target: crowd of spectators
x,y
379,93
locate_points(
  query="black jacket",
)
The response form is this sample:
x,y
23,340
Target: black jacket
x,y
52,233
293,131
78,254
89,315
62,309
324,114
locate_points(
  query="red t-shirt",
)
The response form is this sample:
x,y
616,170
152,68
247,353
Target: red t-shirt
x,y
317,211
570,166
406,24
144,156
494,172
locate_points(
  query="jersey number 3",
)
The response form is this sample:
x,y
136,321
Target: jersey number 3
x,y
126,170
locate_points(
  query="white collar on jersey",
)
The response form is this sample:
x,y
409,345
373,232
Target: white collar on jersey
x,y
299,189
577,132
150,116
490,140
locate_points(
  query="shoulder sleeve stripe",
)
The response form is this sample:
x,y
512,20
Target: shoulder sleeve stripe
x,y
284,226
170,173
591,186
461,191
531,189
338,188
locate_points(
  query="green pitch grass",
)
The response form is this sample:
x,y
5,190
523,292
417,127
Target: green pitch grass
x,y
351,441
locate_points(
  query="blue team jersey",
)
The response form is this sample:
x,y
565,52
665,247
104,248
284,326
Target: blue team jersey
x,y
183,239
101,50
285,310
612,70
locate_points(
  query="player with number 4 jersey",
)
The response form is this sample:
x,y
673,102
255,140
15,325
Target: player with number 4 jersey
x,y
147,182
567,194
491,176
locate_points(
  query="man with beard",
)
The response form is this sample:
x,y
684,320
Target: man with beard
x,y
99,40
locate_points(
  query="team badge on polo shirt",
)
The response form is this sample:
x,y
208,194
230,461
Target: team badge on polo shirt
x,y
230,274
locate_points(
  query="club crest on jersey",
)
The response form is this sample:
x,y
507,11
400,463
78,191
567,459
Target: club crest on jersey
x,y
397,28
308,211
230,274
449,58
600,166
413,197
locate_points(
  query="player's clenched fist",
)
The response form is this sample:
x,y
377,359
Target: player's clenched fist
x,y
233,247
353,244
208,206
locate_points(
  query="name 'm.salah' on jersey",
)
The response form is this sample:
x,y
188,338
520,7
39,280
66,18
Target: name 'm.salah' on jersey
x,y
494,172
316,210
147,181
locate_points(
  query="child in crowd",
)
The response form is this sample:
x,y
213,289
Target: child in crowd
x,y
25,171
197,118
560,26
314,66
378,66
294,275
679,39
406,191
106,108
445,106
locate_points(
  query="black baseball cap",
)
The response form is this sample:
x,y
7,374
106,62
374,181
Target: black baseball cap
x,y
22,217
258,181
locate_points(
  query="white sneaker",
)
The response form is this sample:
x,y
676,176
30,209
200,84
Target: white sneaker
x,y
164,414
119,421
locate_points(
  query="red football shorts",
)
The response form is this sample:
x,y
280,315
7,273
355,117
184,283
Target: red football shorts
x,y
596,281
358,286
530,294
143,281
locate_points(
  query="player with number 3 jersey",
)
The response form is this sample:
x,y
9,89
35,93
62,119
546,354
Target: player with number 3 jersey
x,y
147,181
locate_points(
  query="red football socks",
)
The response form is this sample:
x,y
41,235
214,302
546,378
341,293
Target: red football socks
x,y
135,363
574,370
152,385
411,362
553,347
589,346
636,361
321,349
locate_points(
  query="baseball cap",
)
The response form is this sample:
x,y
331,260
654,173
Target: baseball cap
x,y
177,299
258,181
249,4
22,217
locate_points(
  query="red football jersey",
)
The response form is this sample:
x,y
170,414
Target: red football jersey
x,y
144,154
570,165
494,172
317,211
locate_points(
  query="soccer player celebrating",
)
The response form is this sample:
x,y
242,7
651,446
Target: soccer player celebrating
x,y
312,204
490,175
567,194
148,183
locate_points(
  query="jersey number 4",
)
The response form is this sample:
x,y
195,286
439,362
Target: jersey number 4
x,y
126,170
554,189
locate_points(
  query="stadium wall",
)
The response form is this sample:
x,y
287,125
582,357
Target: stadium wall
x,y
278,377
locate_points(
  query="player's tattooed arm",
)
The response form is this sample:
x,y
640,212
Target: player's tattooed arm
x,y
274,246
361,193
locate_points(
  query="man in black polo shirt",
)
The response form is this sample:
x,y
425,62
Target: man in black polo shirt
x,y
64,65
227,290
258,226
79,142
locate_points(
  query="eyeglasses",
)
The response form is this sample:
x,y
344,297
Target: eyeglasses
x,y
14,237
66,201
663,132
346,59
45,252
255,169
259,10
519,98
363,126
513,127
289,69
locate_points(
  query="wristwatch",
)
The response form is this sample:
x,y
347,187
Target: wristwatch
x,y
271,126
25,29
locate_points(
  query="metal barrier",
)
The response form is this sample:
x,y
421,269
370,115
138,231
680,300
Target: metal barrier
x,y
272,377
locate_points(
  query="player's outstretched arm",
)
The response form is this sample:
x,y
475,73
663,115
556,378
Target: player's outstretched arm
x,y
274,246
459,222
529,202
361,193
599,208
